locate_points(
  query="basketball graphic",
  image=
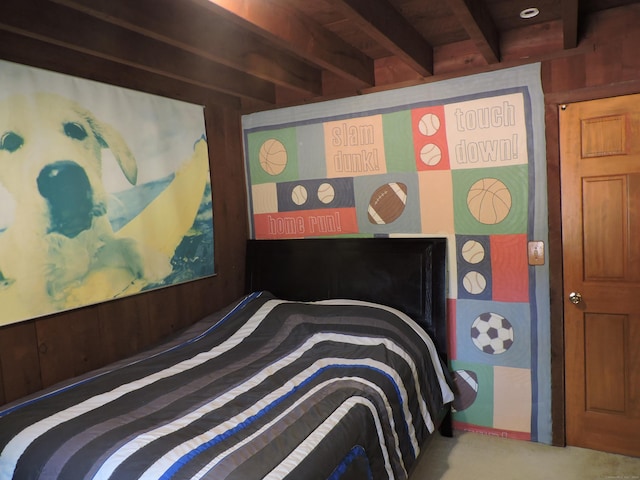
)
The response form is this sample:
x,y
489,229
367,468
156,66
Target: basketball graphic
x,y
430,154
489,201
273,156
326,193
387,203
429,124
466,384
474,282
299,195
492,333
472,252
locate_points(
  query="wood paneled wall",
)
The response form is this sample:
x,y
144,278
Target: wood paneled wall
x,y
605,64
38,353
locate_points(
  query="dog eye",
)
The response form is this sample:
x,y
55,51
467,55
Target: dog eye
x,y
75,131
11,142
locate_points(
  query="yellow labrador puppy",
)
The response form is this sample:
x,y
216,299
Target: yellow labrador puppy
x,y
50,162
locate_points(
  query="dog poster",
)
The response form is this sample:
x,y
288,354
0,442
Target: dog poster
x,y
104,192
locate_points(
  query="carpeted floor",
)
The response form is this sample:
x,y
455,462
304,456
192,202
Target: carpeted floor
x,y
472,456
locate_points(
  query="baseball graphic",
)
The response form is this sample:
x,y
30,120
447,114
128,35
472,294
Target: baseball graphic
x,y
489,201
429,124
472,252
326,193
474,282
299,195
273,157
430,154
387,203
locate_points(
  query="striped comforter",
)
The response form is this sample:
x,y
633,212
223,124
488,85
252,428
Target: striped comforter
x,y
267,389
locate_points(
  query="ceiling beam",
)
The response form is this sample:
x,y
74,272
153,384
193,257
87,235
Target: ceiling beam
x,y
194,29
476,20
570,23
299,35
63,27
29,51
382,22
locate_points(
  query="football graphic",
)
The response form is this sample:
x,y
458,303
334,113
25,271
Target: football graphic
x,y
492,333
387,203
466,385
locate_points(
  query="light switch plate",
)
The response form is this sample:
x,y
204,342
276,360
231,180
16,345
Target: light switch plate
x,y
536,253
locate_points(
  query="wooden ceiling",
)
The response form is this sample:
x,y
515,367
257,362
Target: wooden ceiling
x,y
261,54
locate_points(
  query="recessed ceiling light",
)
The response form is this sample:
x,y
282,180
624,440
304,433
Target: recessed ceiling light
x,y
529,12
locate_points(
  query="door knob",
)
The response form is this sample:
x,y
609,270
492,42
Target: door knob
x,y
575,297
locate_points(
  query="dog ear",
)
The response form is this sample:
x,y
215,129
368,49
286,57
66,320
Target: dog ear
x,y
111,139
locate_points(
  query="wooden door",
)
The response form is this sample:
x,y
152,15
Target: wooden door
x,y
600,175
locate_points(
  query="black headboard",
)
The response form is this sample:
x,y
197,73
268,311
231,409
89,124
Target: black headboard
x,y
404,273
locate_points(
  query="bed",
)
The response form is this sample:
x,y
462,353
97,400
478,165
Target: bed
x,y
333,365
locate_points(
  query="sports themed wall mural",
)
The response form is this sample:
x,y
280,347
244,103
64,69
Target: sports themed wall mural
x,y
104,192
464,159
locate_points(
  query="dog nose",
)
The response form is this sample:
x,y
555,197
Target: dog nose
x,y
67,190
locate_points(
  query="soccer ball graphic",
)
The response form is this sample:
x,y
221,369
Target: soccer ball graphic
x,y
492,333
